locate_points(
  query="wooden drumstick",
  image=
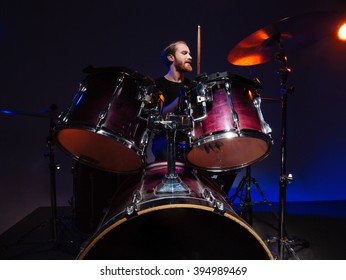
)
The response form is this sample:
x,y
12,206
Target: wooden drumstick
x,y
198,50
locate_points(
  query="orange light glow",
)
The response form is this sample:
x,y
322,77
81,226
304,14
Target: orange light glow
x,y
251,59
342,32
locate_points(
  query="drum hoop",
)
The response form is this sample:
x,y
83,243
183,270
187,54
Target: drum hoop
x,y
250,229
230,134
101,234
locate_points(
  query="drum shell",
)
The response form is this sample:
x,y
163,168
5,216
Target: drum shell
x,y
102,126
173,226
218,142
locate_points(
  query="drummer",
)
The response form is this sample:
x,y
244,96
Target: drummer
x,y
177,58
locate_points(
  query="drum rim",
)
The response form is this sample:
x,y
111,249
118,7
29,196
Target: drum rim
x,y
220,135
100,234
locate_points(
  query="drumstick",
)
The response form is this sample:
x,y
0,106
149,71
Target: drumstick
x,y
198,49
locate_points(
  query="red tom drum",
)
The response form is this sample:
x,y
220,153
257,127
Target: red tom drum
x,y
105,127
229,129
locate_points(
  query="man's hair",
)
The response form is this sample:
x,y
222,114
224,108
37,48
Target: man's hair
x,y
170,50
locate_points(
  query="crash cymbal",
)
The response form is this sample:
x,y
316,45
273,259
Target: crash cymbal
x,y
286,35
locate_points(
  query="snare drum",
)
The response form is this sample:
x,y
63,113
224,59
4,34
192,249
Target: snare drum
x,y
105,127
229,129
199,224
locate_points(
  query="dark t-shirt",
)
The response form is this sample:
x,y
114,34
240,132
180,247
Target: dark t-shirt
x,y
170,90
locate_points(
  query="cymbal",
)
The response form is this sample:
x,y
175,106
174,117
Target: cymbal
x,y
286,35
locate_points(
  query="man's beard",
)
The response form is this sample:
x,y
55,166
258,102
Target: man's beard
x,y
184,67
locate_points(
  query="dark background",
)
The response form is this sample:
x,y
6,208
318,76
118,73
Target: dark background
x,y
45,45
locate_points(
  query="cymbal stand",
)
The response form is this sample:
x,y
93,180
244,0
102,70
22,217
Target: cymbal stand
x,y
53,166
284,243
246,203
52,169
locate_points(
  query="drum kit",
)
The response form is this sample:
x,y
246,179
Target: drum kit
x,y
159,209
172,209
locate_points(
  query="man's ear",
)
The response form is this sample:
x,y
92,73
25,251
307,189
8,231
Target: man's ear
x,y
170,57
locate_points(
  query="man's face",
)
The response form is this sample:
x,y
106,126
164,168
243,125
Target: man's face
x,y
182,58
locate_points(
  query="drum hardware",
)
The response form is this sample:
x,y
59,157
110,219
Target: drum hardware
x,y
152,101
64,116
52,170
246,203
104,113
203,96
235,117
265,127
54,221
132,207
51,115
53,166
284,244
171,182
218,205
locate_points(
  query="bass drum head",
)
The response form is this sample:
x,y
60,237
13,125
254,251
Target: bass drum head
x,y
178,232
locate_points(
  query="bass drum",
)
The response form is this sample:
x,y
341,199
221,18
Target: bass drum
x,y
200,224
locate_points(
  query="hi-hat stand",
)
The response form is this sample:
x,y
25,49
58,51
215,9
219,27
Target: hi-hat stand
x,y
246,203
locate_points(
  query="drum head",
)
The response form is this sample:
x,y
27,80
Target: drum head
x,y
178,231
228,151
100,150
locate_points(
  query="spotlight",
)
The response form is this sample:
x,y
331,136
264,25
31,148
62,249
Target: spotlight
x,y
342,32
